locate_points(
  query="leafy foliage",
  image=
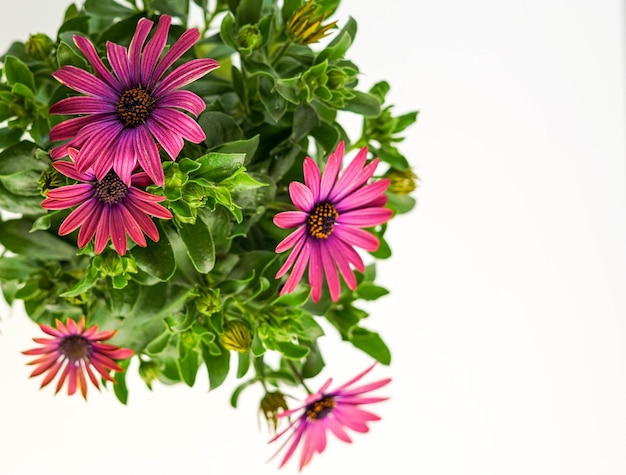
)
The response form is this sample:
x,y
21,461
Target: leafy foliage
x,y
275,99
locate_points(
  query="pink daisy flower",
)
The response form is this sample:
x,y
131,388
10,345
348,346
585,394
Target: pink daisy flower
x,y
74,351
332,210
107,208
333,411
126,112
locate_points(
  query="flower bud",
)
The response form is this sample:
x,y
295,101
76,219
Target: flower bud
x,y
39,46
403,182
249,37
149,371
208,302
50,178
272,404
237,336
305,25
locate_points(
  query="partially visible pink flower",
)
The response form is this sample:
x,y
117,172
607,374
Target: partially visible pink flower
x,y
332,210
107,208
333,411
74,351
123,114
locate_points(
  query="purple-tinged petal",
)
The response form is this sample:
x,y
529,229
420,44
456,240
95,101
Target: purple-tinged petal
x,y
76,218
171,142
185,74
102,230
134,50
299,235
118,58
331,171
82,105
82,81
147,226
299,244
299,267
67,196
154,48
315,270
301,196
363,196
357,237
357,181
180,47
117,230
182,99
290,219
312,177
92,56
125,158
148,156
341,257
366,217
69,128
330,270
179,123
130,225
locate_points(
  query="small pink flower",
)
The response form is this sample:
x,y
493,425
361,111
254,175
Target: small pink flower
x,y
332,210
74,351
333,411
107,208
123,114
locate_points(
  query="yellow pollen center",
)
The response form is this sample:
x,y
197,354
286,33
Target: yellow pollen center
x,y
319,409
134,106
321,222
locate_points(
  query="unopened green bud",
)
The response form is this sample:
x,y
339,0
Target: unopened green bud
x,y
50,178
249,37
39,46
237,336
208,302
271,405
149,371
403,182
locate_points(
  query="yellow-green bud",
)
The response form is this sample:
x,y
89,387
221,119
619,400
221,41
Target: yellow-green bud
x,y
50,178
149,371
237,336
403,182
39,46
208,302
305,25
249,37
271,405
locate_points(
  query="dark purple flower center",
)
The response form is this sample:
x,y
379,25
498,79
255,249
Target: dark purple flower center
x,y
321,222
75,347
319,409
111,189
134,106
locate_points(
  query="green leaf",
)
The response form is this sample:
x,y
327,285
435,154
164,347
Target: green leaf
x,y
16,268
17,72
372,344
15,236
305,119
119,387
67,56
238,390
106,9
364,104
370,291
217,365
84,284
10,137
248,12
219,128
292,350
157,258
199,244
188,363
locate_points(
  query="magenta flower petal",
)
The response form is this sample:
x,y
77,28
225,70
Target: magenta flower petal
x,y
333,209
132,100
326,411
75,351
107,209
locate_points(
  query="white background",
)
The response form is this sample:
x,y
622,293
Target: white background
x,y
507,314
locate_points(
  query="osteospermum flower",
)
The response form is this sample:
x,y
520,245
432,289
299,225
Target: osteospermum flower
x,y
74,351
107,208
333,411
126,112
332,210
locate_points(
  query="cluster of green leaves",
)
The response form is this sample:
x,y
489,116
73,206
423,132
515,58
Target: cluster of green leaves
x,y
275,99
